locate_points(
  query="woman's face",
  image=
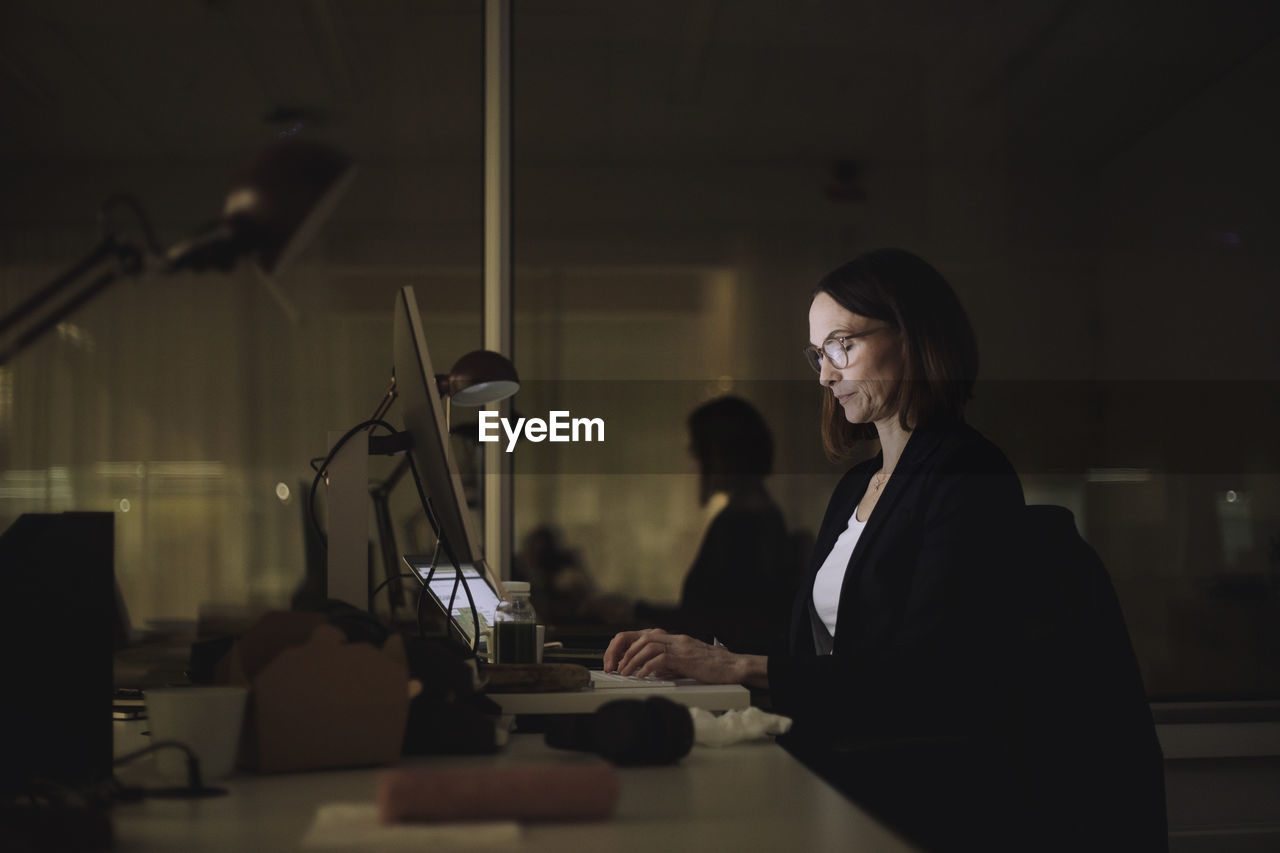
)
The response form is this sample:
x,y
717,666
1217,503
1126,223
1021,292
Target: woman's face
x,y
875,367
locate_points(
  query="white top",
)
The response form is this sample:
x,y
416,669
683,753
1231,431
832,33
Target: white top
x,y
826,586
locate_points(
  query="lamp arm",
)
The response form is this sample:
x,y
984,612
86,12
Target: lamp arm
x,y
130,201
130,262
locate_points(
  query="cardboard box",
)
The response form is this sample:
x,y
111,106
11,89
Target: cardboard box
x,y
315,700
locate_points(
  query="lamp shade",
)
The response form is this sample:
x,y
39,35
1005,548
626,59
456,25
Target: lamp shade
x,y
480,377
274,205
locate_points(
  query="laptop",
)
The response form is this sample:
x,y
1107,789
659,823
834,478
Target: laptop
x,y
448,595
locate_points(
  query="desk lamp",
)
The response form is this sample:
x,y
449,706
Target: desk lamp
x,y
476,379
479,377
275,203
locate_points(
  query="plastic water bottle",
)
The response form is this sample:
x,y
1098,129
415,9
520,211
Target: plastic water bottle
x,y
515,627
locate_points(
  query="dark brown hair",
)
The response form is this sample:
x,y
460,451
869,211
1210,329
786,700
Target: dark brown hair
x,y
732,443
939,350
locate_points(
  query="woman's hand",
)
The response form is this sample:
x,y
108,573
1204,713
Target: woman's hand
x,y
655,652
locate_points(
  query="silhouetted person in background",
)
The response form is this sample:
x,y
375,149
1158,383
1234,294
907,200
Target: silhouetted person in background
x,y
561,586
739,589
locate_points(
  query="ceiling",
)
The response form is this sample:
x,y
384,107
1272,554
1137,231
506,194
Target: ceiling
x,y
659,81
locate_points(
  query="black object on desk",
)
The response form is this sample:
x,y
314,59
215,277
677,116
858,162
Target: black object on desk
x,y
58,615
627,732
590,658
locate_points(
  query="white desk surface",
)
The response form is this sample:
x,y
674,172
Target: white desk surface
x,y
712,697
747,797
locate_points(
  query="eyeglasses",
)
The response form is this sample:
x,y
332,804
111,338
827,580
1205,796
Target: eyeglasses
x,y
836,349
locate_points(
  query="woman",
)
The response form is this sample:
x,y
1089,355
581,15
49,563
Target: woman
x,y
739,588
901,630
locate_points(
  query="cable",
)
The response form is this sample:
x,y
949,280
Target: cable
x,y
195,786
129,201
459,575
425,591
323,469
379,587
426,505
443,541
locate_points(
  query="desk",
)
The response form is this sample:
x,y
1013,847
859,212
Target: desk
x,y
711,697
753,796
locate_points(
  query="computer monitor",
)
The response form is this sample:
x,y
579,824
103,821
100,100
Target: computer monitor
x,y
423,417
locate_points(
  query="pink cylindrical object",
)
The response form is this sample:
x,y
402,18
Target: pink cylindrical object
x,y
534,791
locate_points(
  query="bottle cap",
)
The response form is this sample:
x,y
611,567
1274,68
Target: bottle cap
x,y
516,586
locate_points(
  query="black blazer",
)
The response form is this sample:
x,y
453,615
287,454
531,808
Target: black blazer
x,y
981,692
924,621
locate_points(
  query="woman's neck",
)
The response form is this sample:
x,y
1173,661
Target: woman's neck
x,y
893,439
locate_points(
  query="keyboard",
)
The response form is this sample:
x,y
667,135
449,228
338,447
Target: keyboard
x,y
614,680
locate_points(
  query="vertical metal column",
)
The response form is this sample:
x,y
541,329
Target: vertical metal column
x,y
498,324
